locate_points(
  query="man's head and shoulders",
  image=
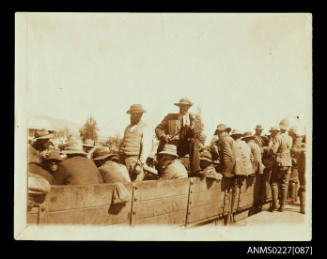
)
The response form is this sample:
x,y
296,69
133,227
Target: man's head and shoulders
x,y
222,131
283,131
170,167
108,165
40,146
251,141
76,168
184,104
136,112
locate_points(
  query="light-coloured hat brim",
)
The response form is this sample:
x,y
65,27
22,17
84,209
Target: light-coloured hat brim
x,y
167,153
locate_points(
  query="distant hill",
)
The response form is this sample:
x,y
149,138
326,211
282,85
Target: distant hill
x,y
51,123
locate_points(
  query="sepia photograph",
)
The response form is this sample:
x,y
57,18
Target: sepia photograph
x,y
163,126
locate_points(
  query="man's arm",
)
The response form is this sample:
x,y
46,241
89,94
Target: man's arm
x,y
160,129
146,144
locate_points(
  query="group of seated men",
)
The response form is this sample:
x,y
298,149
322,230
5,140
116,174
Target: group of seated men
x,y
179,155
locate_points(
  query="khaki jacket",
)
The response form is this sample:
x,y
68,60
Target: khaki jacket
x,y
281,149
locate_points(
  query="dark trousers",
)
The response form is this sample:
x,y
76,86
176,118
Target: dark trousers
x,y
302,181
191,147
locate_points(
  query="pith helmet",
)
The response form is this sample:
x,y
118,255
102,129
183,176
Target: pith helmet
x,y
296,131
284,124
136,108
183,101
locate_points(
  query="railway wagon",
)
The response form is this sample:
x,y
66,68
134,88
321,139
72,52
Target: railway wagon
x,y
184,202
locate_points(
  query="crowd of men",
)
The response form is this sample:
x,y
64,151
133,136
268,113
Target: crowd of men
x,y
179,154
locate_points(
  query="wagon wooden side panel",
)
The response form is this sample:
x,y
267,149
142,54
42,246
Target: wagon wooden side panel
x,y
246,192
86,205
205,200
160,202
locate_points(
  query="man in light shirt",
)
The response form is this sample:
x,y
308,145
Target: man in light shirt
x,y
136,144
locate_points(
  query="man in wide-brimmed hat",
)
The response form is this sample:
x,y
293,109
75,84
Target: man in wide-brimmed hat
x,y
169,166
281,150
177,129
136,144
76,168
261,140
52,161
36,153
109,167
207,166
225,150
40,146
88,145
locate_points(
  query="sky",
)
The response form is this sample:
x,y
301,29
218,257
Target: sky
x,y
239,69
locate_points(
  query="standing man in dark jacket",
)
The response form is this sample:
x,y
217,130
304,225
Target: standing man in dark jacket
x,y
225,150
281,149
77,169
177,129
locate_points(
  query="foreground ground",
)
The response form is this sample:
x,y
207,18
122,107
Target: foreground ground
x,y
291,215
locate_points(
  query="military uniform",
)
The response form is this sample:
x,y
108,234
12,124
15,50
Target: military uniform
x,y
281,149
298,156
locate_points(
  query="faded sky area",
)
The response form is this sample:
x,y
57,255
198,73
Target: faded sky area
x,y
240,69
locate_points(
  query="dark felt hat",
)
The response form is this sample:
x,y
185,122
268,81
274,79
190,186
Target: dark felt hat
x,y
42,134
258,127
101,153
54,156
183,101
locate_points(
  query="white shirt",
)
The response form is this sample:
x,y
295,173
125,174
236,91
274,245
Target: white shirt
x,y
186,119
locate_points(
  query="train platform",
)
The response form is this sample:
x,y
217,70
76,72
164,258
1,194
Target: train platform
x,y
290,215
